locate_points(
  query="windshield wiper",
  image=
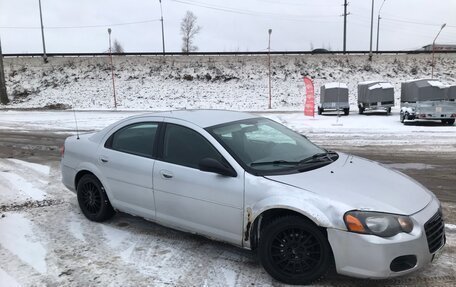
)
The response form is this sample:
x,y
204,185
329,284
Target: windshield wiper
x,y
275,162
318,157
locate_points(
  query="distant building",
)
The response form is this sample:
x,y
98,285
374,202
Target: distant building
x,y
439,47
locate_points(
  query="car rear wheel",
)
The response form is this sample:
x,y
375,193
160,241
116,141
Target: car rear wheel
x,y
92,199
360,110
320,110
294,250
449,122
346,112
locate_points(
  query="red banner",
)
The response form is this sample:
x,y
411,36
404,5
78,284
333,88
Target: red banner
x,y
309,106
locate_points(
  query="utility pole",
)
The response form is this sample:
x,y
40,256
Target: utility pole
x,y
372,30
269,64
42,34
112,69
345,25
378,23
163,29
3,95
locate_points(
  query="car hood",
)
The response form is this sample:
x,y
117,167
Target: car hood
x,y
363,185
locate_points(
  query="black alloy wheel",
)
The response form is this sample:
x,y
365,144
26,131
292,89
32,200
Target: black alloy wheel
x,y
294,250
92,199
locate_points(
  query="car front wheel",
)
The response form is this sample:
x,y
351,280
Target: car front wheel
x,y
92,199
294,250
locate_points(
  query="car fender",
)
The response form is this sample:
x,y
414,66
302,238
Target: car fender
x,y
321,213
324,213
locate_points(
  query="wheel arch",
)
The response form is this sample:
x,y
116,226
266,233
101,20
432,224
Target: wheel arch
x,y
89,168
257,223
80,174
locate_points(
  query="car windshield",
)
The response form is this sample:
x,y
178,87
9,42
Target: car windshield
x,y
266,147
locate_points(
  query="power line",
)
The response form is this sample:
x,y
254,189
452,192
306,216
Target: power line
x,y
417,23
248,12
79,27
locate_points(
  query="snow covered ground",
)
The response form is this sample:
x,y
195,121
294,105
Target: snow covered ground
x,y
46,241
228,82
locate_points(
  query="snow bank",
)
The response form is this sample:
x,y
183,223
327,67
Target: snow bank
x,y
228,82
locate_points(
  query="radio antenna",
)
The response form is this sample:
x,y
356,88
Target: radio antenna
x,y
76,122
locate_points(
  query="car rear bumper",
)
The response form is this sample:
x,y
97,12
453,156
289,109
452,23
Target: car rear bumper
x,y
370,256
68,176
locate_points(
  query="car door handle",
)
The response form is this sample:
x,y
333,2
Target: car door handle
x,y
104,159
166,174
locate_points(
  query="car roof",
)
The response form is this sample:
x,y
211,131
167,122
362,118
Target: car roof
x,y
204,118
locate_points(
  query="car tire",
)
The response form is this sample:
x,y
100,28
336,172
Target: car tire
x,y
402,117
360,110
388,111
346,112
448,122
293,250
92,199
320,110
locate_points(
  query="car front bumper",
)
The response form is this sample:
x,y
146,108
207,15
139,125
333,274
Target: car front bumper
x,y
370,256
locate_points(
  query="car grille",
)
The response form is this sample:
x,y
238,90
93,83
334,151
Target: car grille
x,y
435,232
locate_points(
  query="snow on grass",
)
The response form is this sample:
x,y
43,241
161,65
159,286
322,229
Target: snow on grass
x,y
40,168
235,82
17,236
6,280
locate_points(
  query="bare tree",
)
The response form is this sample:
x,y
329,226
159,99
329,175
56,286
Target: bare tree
x,y
117,47
189,29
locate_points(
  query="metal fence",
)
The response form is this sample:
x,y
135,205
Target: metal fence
x,y
223,53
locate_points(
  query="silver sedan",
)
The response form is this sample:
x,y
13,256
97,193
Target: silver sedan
x,y
253,183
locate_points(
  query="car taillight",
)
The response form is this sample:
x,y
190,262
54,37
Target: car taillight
x,y
62,150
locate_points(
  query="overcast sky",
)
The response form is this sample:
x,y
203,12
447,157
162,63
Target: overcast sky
x,y
233,25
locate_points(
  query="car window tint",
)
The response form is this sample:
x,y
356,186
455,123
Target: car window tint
x,y
136,139
186,147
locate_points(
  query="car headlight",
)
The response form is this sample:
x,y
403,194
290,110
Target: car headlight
x,y
376,223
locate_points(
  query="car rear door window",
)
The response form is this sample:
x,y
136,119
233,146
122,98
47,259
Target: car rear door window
x,y
137,139
184,146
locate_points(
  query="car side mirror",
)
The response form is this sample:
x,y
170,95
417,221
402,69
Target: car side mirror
x,y
212,165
